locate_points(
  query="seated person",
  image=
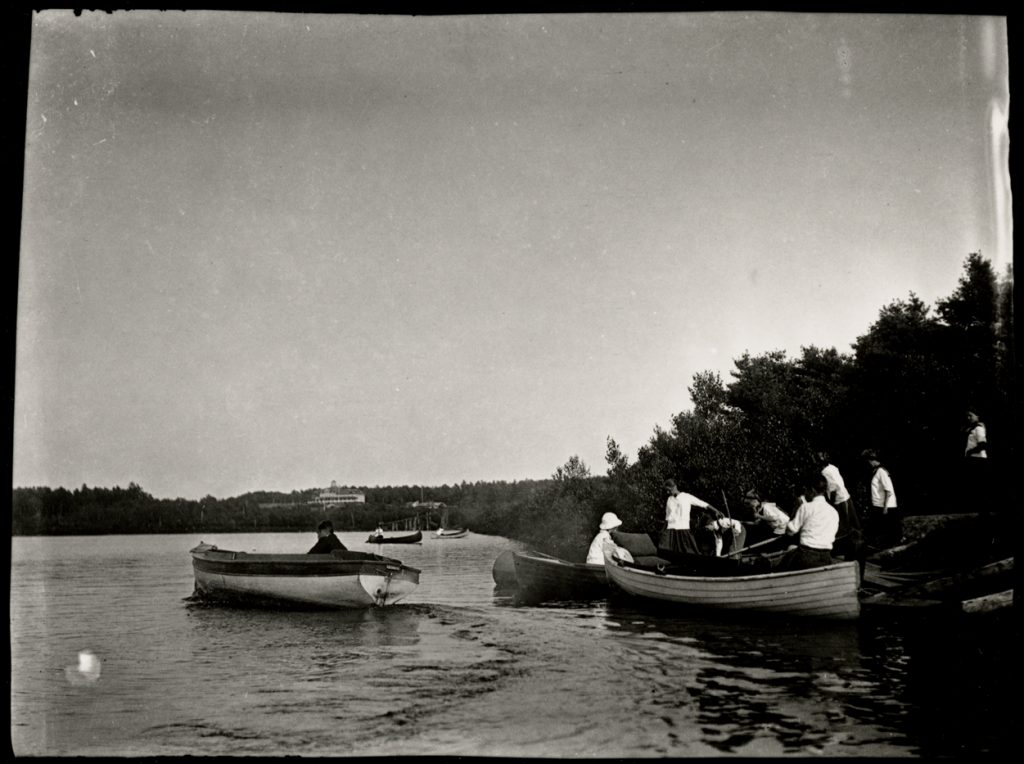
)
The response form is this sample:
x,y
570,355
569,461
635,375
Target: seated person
x,y
769,523
326,541
609,521
816,522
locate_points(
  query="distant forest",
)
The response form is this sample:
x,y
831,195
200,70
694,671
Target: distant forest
x,y
903,391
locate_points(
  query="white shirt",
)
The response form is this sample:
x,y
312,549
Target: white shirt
x,y
677,510
836,486
596,554
882,493
974,437
775,517
720,526
817,522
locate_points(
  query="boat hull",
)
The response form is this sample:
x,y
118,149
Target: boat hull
x,y
541,578
413,538
339,580
504,570
455,534
829,592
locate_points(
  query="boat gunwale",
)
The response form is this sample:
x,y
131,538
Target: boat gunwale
x,y
774,576
328,563
544,559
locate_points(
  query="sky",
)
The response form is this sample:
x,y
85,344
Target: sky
x,y
267,251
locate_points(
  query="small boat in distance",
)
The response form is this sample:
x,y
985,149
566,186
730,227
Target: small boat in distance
x,y
412,538
830,591
342,579
451,533
541,578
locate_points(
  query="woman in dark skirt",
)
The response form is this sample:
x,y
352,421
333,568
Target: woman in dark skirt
x,y
678,536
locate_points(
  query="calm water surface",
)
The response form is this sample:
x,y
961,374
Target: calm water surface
x,y
457,670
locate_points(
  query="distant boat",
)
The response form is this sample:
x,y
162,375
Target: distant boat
x,y
342,579
452,533
412,538
830,591
541,577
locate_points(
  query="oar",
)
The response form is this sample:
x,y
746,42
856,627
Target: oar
x,y
752,546
726,502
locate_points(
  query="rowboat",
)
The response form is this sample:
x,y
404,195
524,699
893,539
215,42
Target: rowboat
x,y
453,533
412,538
986,589
504,570
830,591
541,577
342,579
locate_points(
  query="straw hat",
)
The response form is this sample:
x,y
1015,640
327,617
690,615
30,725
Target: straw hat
x,y
609,520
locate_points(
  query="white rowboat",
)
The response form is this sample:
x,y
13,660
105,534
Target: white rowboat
x,y
830,591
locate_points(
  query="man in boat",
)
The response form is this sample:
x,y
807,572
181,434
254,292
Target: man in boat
x,y
678,538
816,523
326,541
850,538
769,523
379,533
609,521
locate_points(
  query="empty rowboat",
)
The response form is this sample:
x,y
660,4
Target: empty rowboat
x,y
412,538
453,533
541,578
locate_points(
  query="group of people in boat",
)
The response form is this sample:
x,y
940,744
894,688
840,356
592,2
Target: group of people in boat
x,y
821,525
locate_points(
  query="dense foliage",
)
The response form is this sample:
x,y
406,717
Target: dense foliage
x,y
902,391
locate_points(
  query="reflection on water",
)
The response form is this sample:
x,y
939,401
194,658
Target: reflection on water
x,y
460,669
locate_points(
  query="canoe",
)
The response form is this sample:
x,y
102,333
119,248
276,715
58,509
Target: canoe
x,y
454,533
983,589
342,579
542,578
412,538
826,592
504,570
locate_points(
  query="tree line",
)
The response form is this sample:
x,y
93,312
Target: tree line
x,y
902,391
92,510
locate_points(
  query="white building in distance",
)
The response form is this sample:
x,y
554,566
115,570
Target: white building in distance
x,y
335,495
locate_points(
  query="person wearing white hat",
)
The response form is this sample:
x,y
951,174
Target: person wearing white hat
x,y
609,521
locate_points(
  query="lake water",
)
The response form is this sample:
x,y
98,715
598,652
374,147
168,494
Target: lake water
x,y
456,670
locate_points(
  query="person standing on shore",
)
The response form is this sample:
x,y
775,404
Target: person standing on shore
x,y
882,523
976,481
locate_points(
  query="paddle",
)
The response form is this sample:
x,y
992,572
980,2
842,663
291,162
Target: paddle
x,y
752,546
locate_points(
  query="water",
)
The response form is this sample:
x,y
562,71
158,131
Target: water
x,y
456,670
